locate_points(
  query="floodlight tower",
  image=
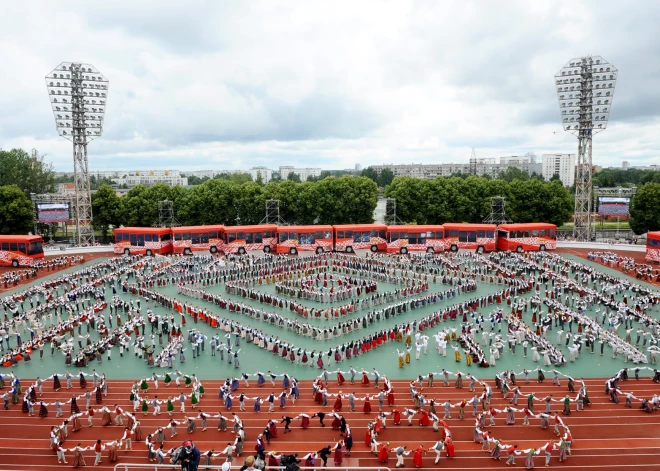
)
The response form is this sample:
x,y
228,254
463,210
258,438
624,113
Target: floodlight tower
x,y
585,88
77,94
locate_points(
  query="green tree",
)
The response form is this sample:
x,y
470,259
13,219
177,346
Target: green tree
x,y
346,200
385,178
555,178
30,173
370,173
513,173
645,209
195,180
105,209
212,202
15,211
250,203
293,177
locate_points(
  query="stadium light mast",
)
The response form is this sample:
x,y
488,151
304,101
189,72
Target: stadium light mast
x,y
585,89
77,94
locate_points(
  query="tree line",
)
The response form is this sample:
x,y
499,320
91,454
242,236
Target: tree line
x,y
334,198
457,199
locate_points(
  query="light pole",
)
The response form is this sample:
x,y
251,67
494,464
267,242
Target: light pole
x,y
77,94
585,89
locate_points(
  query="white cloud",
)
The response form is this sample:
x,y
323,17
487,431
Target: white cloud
x,y
234,84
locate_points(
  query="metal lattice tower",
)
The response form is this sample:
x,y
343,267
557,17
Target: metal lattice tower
x,y
166,214
390,211
585,88
273,213
497,211
77,94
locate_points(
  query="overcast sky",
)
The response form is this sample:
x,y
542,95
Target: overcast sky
x,y
201,85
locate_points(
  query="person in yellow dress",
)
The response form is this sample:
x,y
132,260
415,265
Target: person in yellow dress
x,y
468,358
457,354
408,354
402,362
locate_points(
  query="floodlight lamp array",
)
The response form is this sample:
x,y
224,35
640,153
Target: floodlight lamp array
x,y
585,89
77,94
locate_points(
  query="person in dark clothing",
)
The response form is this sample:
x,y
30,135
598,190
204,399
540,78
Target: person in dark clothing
x,y
321,416
324,453
189,456
286,421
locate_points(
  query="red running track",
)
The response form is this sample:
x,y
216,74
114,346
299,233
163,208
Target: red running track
x,y
605,435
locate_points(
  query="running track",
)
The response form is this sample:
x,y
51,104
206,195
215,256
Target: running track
x,y
605,435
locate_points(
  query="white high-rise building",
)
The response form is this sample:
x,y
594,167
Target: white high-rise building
x,y
561,164
265,173
303,173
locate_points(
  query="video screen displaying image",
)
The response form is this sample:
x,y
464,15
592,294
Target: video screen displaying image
x,y
50,213
609,206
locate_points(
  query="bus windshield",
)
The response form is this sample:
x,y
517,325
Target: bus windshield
x,y
35,248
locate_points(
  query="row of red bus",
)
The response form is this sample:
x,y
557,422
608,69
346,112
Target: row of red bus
x,y
340,238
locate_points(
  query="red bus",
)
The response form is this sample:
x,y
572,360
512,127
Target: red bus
x,y
404,239
240,239
537,236
480,237
143,240
189,239
351,237
653,246
294,239
20,250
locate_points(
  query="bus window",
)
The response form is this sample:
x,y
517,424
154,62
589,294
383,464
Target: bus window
x,y
13,246
306,238
412,238
204,237
373,233
340,234
421,238
231,237
502,234
394,236
177,236
5,246
467,236
213,234
490,234
535,233
381,234
653,242
542,233
357,236
35,248
284,236
194,238
349,234
126,237
140,240
249,238
366,236
21,247
453,233
165,237
240,236
551,233
481,234
403,235
258,237
147,238
117,238
133,239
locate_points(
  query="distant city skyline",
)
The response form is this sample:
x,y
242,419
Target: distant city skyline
x,y
328,85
